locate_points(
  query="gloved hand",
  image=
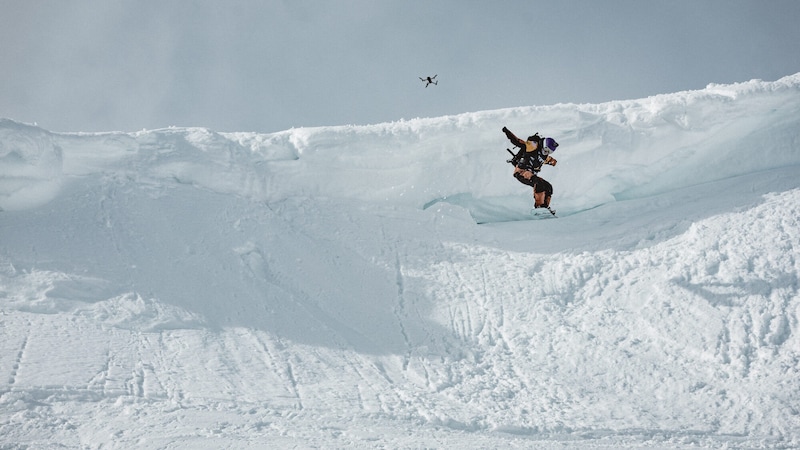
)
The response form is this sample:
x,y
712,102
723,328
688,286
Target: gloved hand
x,y
550,160
505,130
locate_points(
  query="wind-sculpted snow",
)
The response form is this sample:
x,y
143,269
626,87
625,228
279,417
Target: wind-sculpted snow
x,y
30,166
379,286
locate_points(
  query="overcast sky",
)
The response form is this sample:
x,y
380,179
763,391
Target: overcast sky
x,y
231,65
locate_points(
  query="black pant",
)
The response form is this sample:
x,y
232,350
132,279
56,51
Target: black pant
x,y
538,184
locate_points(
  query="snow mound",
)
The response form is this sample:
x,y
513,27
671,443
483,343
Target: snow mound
x,y
382,286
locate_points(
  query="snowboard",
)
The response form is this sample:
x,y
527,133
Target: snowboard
x,y
543,213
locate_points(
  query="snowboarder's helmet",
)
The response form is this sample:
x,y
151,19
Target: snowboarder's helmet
x,y
551,144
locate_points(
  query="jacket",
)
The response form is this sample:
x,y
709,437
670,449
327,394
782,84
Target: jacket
x,y
530,156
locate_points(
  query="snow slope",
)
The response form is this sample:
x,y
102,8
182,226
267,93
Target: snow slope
x,y
379,286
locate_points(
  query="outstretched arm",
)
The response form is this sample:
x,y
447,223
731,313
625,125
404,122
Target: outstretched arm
x,y
514,140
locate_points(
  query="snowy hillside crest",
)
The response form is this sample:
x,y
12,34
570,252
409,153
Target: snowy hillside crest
x,y
381,285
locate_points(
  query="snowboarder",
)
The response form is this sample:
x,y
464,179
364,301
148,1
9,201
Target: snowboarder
x,y
429,80
528,161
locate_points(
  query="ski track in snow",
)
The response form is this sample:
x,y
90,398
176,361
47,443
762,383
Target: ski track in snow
x,y
381,286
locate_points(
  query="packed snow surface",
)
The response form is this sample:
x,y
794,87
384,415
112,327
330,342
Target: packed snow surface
x,y
387,286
